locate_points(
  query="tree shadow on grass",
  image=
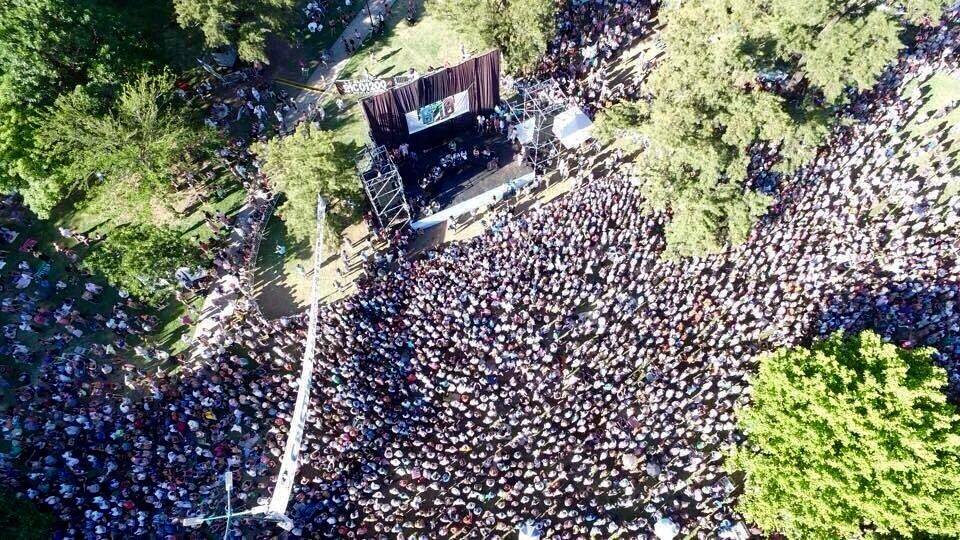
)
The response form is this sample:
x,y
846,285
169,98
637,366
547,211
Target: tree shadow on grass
x,y
275,296
390,54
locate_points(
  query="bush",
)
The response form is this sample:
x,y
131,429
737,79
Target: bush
x,y
22,520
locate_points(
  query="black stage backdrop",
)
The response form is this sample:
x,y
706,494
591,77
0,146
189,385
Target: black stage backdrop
x,y
385,112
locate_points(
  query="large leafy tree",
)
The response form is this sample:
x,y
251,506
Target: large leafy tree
x,y
520,28
142,259
616,124
852,438
50,47
134,148
738,73
46,47
308,163
244,25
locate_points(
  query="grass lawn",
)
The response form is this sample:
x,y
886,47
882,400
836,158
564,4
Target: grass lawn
x,y
95,216
284,280
46,298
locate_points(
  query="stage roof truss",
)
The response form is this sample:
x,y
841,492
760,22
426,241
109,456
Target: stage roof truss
x,y
383,185
539,104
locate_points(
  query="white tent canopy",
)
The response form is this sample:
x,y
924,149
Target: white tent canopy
x,y
572,127
524,131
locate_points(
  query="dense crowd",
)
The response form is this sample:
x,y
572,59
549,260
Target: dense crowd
x,y
557,370
97,428
591,37
554,370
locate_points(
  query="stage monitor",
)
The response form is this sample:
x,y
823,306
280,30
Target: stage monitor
x,y
427,110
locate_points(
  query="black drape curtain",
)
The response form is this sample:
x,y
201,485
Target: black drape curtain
x,y
385,112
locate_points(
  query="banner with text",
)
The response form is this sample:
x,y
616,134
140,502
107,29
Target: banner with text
x,y
369,86
438,112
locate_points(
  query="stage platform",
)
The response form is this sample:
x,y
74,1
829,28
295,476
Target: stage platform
x,y
470,181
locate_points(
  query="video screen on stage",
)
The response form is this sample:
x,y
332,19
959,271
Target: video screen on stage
x,y
438,112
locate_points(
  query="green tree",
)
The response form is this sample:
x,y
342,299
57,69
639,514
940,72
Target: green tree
x,y
134,149
16,146
713,97
244,25
707,217
307,163
615,124
852,438
48,48
835,44
142,259
521,29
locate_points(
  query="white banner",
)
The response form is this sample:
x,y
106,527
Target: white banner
x,y
440,111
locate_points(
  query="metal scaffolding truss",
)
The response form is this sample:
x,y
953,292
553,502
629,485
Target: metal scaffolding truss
x,y
383,185
535,107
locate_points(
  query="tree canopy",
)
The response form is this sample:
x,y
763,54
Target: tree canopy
x,y
244,25
49,48
304,164
852,438
521,29
738,73
133,149
142,259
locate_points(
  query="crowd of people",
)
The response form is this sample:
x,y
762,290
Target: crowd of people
x,y
98,430
110,445
590,38
556,370
553,371
254,101
320,14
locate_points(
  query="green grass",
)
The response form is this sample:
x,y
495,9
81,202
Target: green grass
x,y
94,216
283,287
429,42
44,231
314,43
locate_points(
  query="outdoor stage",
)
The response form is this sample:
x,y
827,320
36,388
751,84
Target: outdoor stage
x,y
464,182
428,164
